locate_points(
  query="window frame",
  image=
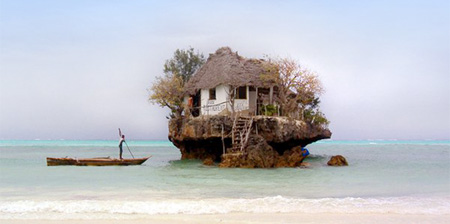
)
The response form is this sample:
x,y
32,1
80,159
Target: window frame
x,y
238,96
212,94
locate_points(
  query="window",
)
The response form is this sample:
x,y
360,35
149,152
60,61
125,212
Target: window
x,y
241,93
212,94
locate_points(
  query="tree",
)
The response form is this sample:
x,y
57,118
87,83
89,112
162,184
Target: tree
x,y
298,88
184,63
231,96
168,90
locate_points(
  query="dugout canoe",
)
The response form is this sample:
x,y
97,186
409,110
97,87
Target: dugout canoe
x,y
101,161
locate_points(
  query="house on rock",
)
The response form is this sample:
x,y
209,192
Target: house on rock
x,y
229,83
231,122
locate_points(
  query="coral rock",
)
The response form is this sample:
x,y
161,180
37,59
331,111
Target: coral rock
x,y
208,162
274,141
337,161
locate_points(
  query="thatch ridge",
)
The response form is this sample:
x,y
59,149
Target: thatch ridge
x,y
227,67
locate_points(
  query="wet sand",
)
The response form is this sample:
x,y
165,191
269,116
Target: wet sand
x,y
251,218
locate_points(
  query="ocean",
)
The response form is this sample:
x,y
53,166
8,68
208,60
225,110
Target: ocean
x,y
395,177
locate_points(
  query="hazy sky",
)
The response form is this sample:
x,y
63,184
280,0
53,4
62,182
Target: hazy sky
x,y
80,69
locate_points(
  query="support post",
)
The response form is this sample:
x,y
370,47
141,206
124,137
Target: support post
x,y
271,95
223,142
256,98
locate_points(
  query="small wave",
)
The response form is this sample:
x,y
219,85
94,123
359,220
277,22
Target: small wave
x,y
28,209
317,157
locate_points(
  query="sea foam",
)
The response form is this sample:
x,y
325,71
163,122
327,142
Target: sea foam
x,y
92,209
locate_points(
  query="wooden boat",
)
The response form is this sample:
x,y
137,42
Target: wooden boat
x,y
100,161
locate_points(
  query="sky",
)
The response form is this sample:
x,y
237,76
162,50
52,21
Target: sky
x,y
81,69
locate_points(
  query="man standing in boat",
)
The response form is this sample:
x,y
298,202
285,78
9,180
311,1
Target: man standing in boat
x,y
122,139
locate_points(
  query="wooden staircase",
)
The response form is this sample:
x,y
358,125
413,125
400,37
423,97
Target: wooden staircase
x,y
240,132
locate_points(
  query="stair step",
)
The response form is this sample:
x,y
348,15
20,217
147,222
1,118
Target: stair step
x,y
240,131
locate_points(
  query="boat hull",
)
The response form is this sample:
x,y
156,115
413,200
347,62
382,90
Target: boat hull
x,y
94,161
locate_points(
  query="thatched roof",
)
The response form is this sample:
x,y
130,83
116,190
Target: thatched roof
x,y
227,67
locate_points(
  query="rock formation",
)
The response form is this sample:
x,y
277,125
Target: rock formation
x,y
208,162
273,141
337,161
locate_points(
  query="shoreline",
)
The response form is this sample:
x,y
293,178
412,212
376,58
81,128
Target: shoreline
x,y
251,218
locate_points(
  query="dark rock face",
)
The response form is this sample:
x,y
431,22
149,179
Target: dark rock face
x,y
200,138
337,161
258,154
291,158
274,141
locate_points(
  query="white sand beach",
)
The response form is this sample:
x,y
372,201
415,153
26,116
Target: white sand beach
x,y
246,218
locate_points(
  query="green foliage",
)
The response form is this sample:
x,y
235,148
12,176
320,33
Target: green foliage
x,y
314,116
184,63
168,90
298,87
299,91
269,110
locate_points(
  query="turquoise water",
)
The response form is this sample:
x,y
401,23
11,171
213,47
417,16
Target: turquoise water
x,y
405,177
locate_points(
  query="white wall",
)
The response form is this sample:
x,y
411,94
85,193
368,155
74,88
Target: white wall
x,y
240,105
221,101
213,107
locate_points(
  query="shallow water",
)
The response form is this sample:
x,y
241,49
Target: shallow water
x,y
411,177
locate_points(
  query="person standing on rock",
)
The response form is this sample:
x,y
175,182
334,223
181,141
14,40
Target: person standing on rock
x,y
122,139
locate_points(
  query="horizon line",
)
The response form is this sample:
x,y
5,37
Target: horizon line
x,y
37,139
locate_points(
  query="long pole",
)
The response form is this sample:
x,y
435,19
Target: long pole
x,y
129,149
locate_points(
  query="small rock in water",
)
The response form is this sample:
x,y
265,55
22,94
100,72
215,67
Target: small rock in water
x,y
337,161
208,162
